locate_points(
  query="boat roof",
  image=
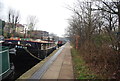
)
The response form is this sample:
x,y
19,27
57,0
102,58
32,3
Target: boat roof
x,y
28,40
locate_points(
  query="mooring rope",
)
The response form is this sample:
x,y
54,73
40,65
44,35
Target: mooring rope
x,y
31,53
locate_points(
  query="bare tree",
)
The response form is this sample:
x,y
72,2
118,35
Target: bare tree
x,y
32,21
96,26
13,19
111,8
84,22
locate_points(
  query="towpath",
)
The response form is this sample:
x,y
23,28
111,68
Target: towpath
x,y
62,67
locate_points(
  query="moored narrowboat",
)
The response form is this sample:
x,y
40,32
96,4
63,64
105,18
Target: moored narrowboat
x,y
29,48
6,67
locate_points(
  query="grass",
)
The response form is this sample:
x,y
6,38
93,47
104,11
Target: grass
x,y
81,71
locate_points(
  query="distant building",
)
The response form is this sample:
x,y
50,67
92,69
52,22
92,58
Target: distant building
x,y
19,28
53,37
44,33
8,27
39,34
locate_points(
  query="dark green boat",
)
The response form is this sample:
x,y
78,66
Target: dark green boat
x,y
6,67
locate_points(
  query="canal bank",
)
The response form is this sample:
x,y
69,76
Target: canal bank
x,y
62,67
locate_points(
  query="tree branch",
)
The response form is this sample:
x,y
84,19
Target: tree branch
x,y
110,8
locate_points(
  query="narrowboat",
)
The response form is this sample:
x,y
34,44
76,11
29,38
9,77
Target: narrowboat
x,y
60,43
29,48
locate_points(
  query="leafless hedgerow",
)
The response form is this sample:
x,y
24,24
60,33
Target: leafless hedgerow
x,y
96,27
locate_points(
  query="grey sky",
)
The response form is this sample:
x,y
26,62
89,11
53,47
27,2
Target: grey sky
x,y
52,14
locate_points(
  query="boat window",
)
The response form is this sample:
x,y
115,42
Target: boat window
x,y
28,44
38,45
11,41
1,38
32,44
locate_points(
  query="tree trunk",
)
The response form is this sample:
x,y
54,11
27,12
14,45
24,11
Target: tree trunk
x,y
119,28
119,18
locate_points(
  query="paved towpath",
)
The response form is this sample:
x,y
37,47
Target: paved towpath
x,y
62,67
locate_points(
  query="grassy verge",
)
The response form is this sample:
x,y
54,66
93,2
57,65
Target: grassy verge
x,y
81,71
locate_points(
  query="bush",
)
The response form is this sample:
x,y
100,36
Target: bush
x,y
81,71
103,60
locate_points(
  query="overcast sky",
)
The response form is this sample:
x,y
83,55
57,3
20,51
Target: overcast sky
x,y
52,14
